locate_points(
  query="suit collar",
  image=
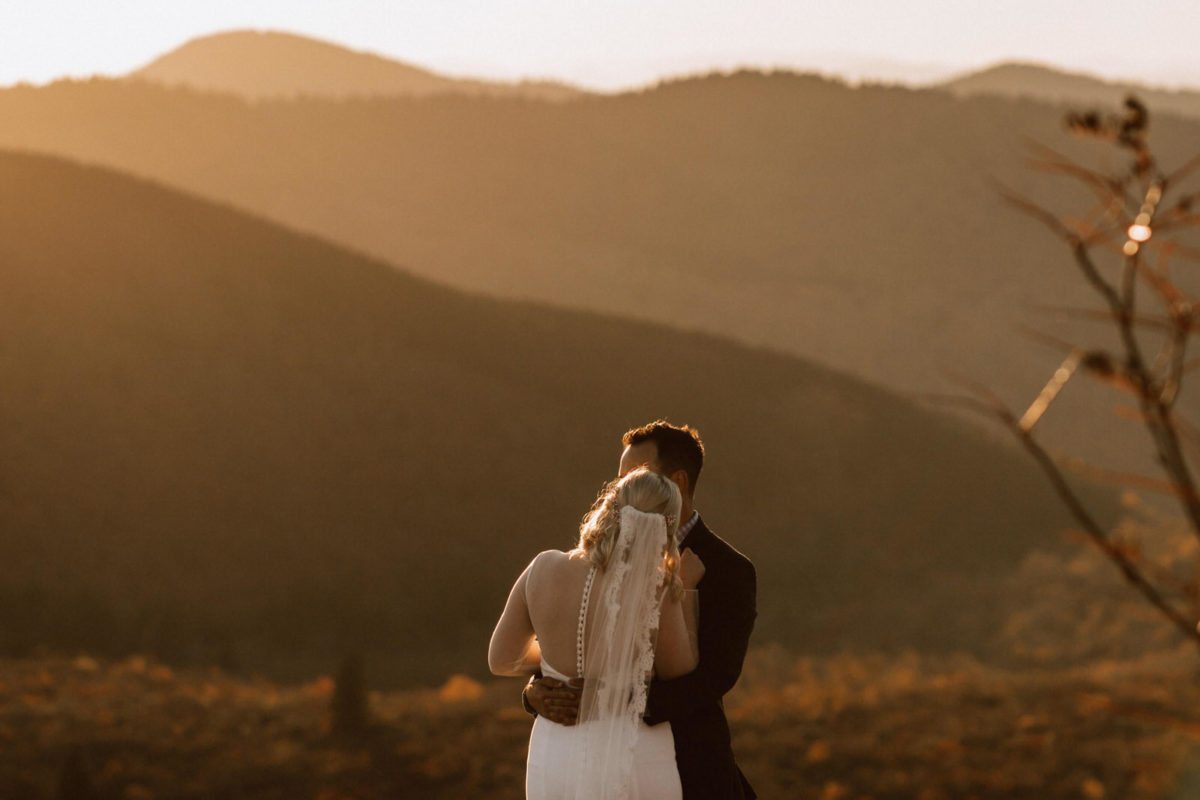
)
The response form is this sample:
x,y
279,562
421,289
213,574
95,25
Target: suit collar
x,y
698,531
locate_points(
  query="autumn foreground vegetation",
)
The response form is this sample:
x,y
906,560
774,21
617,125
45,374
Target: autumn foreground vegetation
x,y
837,727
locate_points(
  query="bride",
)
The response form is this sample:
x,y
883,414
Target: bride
x,y
614,611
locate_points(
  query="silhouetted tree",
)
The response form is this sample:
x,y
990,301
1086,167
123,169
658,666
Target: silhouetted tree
x,y
349,705
1137,222
75,780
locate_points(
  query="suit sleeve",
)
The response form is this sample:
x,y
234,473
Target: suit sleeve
x,y
727,612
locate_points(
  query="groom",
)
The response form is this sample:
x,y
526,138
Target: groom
x,y
691,703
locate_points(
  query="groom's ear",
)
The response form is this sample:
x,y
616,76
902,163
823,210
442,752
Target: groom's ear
x,y
680,477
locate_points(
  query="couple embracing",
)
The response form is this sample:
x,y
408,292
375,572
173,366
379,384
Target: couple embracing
x,y
652,614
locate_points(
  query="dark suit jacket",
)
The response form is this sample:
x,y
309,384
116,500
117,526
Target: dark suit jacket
x,y
692,703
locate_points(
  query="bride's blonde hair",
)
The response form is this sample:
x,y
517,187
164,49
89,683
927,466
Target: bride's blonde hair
x,y
646,491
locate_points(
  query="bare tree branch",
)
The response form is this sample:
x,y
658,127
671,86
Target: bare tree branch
x,y
1091,527
1112,477
1047,159
1098,315
1040,214
1188,167
1050,391
1126,224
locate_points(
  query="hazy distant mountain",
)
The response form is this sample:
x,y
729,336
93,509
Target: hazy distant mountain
x,y
857,227
1051,84
267,64
220,435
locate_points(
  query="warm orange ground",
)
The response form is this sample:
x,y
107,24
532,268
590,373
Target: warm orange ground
x,y
851,727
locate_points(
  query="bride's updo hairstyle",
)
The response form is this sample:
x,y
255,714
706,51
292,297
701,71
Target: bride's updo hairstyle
x,y
644,490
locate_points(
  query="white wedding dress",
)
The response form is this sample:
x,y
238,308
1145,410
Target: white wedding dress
x,y
655,776
610,754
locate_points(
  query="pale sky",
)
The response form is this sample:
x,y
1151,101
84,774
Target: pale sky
x,y
622,43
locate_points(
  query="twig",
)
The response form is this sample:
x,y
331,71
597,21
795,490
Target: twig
x,y
1098,315
1190,166
1094,531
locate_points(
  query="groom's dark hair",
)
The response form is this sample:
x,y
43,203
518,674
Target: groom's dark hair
x,y
679,448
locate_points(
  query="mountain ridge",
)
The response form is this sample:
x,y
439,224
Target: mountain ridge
x,y
857,227
237,442
266,64
1052,84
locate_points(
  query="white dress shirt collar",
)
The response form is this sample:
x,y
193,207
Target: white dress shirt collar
x,y
686,528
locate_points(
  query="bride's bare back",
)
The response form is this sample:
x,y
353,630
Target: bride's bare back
x,y
554,593
545,603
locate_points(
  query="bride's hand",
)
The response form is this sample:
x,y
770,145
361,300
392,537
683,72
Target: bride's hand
x,y
691,569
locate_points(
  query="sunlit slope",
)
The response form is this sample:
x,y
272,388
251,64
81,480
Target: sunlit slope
x,y
1018,79
266,64
222,437
860,228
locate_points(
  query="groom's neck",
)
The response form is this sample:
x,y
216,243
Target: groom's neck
x,y
686,509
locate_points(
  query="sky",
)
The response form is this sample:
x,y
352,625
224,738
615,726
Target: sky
x,y
623,43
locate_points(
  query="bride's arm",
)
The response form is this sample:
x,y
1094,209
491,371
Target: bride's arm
x,y
513,649
678,649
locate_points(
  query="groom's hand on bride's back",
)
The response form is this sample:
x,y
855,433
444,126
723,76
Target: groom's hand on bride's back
x,y
554,700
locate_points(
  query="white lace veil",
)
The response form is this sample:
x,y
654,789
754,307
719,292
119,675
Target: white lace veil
x,y
619,657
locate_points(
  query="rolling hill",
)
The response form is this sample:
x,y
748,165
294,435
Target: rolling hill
x,y
259,65
859,228
271,64
225,439
1054,85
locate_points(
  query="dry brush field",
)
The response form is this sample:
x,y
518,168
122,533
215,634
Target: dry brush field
x,y
902,726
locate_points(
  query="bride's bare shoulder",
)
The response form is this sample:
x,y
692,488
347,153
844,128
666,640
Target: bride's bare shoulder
x,y
556,557
550,562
